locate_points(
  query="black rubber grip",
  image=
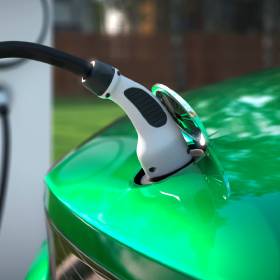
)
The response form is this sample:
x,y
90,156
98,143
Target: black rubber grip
x,y
147,106
100,77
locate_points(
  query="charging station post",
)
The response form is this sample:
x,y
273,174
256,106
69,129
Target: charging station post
x,y
29,87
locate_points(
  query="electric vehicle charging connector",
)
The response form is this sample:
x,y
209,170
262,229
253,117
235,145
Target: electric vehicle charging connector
x,y
161,148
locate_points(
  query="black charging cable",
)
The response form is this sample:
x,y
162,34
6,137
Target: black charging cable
x,y
5,163
52,56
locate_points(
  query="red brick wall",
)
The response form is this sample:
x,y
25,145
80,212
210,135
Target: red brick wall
x,y
209,57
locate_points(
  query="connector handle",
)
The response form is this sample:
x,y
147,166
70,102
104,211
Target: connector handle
x,y
161,148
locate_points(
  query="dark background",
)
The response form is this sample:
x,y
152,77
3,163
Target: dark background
x,y
181,43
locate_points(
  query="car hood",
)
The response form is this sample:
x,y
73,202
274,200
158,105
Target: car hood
x,y
202,222
242,117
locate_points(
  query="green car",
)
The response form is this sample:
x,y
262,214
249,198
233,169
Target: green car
x,y
218,218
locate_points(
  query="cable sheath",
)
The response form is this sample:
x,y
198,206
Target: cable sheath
x,y
38,52
5,160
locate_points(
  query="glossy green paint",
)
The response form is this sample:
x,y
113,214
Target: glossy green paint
x,y
40,267
194,223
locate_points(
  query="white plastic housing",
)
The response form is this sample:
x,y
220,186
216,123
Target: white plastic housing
x,y
161,150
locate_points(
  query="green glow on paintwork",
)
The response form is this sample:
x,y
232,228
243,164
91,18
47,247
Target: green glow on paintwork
x,y
187,138
191,221
97,187
40,267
